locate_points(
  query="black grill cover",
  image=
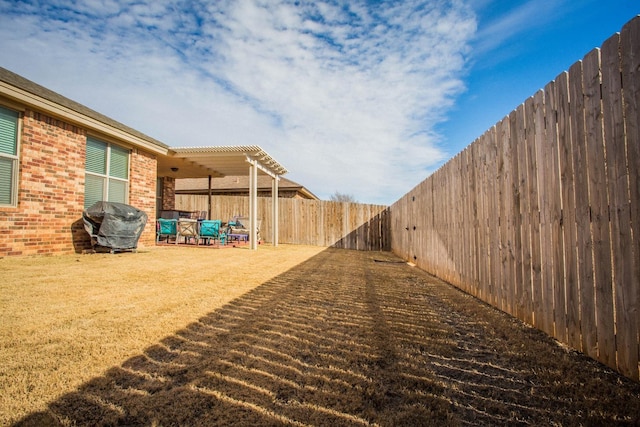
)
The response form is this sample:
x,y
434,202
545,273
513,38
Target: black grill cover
x,y
116,226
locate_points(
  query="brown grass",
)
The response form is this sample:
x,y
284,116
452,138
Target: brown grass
x,y
343,338
67,319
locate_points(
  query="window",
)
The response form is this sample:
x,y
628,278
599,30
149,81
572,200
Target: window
x,y
8,156
107,173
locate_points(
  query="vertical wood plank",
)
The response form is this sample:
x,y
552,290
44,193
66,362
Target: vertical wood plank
x,y
494,220
470,222
506,248
555,212
572,300
483,144
466,223
543,254
525,135
481,233
583,214
535,135
431,231
516,215
476,212
619,192
464,254
446,224
452,228
599,202
630,48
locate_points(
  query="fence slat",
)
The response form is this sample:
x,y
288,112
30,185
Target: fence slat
x,y
583,214
584,242
494,219
513,197
504,291
599,203
481,230
542,260
630,49
535,136
621,227
553,193
525,291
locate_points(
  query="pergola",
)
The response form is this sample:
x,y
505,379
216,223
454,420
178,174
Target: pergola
x,y
212,162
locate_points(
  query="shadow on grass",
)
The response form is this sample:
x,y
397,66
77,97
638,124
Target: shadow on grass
x,y
352,338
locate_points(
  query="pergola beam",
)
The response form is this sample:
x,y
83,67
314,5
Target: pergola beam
x,y
260,166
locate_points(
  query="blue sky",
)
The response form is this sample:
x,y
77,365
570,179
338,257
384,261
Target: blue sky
x,y
365,97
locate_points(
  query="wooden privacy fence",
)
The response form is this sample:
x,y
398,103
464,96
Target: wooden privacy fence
x,y
305,222
540,216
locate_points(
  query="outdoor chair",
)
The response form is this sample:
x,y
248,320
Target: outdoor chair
x,y
210,230
187,228
166,228
238,229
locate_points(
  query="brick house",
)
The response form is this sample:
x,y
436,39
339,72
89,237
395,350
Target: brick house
x,y
57,157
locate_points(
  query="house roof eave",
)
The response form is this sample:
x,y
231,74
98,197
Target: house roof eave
x,y
19,90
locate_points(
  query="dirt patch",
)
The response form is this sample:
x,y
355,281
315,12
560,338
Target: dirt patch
x,y
344,340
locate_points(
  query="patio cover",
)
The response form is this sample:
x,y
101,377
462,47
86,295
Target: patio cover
x,y
199,162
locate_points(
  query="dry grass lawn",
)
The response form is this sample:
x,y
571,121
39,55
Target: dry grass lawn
x,y
67,319
186,337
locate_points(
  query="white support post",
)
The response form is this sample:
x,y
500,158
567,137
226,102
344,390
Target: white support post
x,y
209,203
253,205
274,206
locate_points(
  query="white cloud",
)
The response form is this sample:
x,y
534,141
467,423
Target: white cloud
x,y
344,94
520,19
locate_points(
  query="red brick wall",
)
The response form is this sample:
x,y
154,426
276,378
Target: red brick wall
x,y
48,218
168,194
142,191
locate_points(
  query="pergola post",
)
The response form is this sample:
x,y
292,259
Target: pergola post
x,y
209,204
253,205
275,208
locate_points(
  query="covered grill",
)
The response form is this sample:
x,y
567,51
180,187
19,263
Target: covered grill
x,y
114,226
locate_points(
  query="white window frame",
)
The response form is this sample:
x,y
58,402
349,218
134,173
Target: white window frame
x,y
15,169
106,177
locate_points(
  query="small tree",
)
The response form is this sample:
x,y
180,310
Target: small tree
x,y
339,197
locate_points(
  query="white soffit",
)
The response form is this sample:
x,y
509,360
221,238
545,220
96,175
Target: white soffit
x,y
193,162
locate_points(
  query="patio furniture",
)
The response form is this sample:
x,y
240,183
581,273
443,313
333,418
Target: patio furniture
x,y
187,228
210,230
166,228
238,237
238,229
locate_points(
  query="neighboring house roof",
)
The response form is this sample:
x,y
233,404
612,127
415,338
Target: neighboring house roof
x,y
234,184
17,87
